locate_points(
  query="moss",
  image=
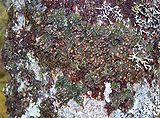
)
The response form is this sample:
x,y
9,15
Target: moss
x,y
3,22
2,108
3,16
3,76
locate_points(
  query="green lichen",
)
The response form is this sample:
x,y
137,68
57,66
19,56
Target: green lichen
x,y
67,90
123,99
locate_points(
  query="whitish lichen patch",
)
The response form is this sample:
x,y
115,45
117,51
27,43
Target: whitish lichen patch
x,y
33,65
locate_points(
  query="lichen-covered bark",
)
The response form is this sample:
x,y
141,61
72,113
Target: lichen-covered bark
x,y
89,59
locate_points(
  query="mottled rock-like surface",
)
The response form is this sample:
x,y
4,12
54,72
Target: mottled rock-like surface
x,y
83,59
